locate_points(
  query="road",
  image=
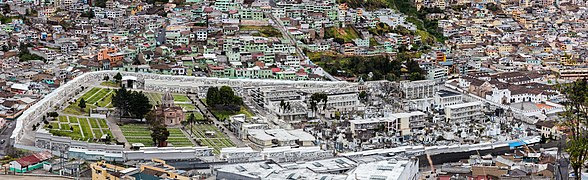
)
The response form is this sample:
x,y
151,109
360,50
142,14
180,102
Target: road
x,y
293,42
5,134
206,113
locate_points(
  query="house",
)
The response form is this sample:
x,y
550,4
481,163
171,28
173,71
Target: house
x,y
19,88
548,129
29,163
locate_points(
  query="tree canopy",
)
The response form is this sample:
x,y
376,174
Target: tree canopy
x,y
132,103
82,104
575,119
223,99
380,66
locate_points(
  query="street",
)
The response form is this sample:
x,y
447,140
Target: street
x,y
293,42
5,135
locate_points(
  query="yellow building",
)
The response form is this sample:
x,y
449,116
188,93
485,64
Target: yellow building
x,y
103,171
156,169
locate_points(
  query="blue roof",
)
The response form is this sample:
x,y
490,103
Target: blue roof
x,y
516,144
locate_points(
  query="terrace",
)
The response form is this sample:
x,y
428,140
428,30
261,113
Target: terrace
x,y
140,133
95,97
216,140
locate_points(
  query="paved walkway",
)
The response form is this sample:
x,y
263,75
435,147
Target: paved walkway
x,y
206,113
187,134
117,132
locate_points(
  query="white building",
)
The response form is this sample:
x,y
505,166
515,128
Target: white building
x,y
390,169
402,125
464,112
234,154
279,137
418,89
446,98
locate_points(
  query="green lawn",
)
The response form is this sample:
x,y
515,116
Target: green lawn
x,y
220,115
95,97
154,98
218,141
93,123
181,98
140,133
90,93
84,133
86,129
109,84
63,119
73,120
64,127
197,115
347,34
187,107
102,123
264,31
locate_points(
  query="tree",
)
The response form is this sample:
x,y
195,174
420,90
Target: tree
x,y
313,106
132,103
575,118
139,105
82,104
121,101
226,93
283,105
223,99
362,95
71,128
151,118
317,98
212,96
53,114
339,40
159,135
100,3
106,78
118,77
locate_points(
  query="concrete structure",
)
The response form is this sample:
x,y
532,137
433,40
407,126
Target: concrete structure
x,y
390,169
168,153
155,169
418,89
465,112
280,137
445,98
401,125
